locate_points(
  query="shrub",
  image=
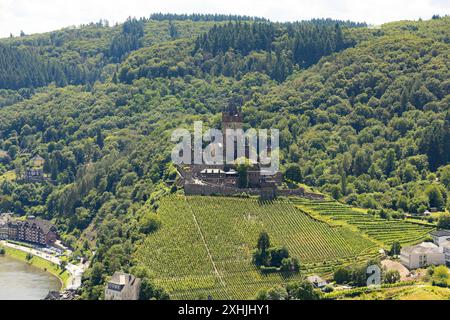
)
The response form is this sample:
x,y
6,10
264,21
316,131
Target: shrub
x,y
440,276
328,288
290,265
149,223
277,255
392,276
395,249
444,221
342,275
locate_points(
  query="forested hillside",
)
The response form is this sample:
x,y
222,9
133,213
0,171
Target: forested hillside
x,y
363,115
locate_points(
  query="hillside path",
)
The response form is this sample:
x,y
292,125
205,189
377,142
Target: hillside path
x,y
205,244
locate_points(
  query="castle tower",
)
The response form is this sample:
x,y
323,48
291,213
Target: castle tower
x,y
232,118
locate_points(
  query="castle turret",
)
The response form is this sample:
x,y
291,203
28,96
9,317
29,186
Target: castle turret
x,y
232,118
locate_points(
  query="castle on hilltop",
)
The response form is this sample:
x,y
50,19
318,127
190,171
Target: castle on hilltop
x,y
228,178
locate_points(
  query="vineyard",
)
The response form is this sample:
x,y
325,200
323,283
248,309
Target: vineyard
x,y
205,245
386,231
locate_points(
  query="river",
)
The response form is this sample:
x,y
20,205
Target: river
x,y
20,281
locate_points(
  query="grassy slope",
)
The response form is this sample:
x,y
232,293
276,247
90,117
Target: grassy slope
x,y
384,231
410,292
205,244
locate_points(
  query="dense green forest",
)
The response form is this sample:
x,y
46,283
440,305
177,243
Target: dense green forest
x,y
363,114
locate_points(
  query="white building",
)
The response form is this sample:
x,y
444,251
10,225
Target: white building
x,y
123,286
445,246
317,281
422,255
440,236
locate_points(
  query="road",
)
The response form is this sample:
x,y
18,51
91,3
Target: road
x,y
75,271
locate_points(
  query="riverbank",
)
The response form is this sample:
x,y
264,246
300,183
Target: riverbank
x,y
40,263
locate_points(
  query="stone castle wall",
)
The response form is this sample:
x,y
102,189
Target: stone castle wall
x,y
210,189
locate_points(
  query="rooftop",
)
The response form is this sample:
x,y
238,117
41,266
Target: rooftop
x,y
424,247
315,279
440,233
44,225
211,171
121,278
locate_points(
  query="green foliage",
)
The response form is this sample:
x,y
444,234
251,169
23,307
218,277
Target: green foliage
x,y
242,169
444,221
128,40
437,196
150,222
392,276
300,290
263,241
440,276
384,230
396,247
342,276
303,290
176,253
293,172
150,292
367,122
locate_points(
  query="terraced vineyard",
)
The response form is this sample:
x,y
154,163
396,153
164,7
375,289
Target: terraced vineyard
x,y
385,231
205,244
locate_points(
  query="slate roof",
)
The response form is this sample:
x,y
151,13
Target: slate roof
x,y
440,233
424,247
315,279
44,225
121,278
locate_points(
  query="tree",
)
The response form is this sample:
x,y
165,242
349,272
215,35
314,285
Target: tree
x,y
444,221
392,276
342,275
435,197
293,172
290,265
277,255
100,139
96,273
173,30
389,163
13,151
63,265
343,182
303,290
149,291
277,293
263,241
361,162
444,173
440,276
359,276
242,169
395,249
149,223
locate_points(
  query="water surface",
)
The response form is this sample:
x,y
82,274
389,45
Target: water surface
x,y
20,281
